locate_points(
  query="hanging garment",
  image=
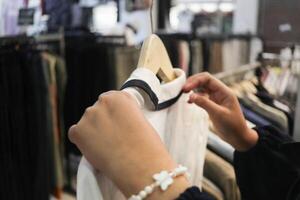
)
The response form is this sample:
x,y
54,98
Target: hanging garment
x,y
222,174
235,54
182,127
184,55
210,188
52,69
254,117
122,61
216,58
173,51
277,117
24,138
271,101
219,146
197,57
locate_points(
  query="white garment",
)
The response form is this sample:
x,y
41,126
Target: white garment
x,y
183,128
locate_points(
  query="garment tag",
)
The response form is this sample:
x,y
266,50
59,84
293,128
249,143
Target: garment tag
x,y
26,16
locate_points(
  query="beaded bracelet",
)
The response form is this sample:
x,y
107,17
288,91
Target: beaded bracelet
x,y
163,180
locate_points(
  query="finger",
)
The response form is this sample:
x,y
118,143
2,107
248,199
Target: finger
x,y
205,81
195,81
204,102
203,94
72,133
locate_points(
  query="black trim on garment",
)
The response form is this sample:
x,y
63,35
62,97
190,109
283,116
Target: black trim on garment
x,y
146,88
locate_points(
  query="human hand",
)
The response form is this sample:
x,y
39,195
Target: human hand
x,y
223,108
117,140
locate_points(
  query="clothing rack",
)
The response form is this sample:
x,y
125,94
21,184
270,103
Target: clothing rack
x,y
13,39
277,58
39,39
234,75
60,37
115,40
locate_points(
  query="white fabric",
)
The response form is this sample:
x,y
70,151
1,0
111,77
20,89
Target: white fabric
x,y
182,127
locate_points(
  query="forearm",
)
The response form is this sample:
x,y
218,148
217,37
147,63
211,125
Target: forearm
x,y
139,182
135,177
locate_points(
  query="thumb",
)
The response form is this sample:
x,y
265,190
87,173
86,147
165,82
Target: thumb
x,y
203,101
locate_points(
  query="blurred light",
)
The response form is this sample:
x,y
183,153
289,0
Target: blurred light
x,y
195,7
227,7
105,16
174,13
210,7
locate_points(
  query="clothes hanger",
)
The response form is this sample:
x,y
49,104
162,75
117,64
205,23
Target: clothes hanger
x,y
154,56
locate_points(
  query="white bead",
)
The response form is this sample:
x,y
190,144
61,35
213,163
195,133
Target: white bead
x,y
148,189
134,197
163,180
142,194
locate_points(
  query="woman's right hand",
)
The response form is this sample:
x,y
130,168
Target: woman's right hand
x,y
223,108
117,140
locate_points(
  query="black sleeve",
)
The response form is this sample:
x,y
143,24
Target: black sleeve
x,y
193,193
271,169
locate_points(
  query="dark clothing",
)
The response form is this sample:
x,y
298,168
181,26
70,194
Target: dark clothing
x,y
24,148
254,117
194,193
270,170
269,100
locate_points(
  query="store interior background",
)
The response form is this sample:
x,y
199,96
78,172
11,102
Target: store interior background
x,y
98,42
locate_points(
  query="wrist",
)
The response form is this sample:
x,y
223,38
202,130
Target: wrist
x,y
137,174
136,181
173,192
249,140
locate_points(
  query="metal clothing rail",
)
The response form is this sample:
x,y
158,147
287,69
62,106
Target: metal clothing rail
x,y
237,74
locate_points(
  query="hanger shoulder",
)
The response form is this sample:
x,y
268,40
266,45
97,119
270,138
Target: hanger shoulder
x,y
154,57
